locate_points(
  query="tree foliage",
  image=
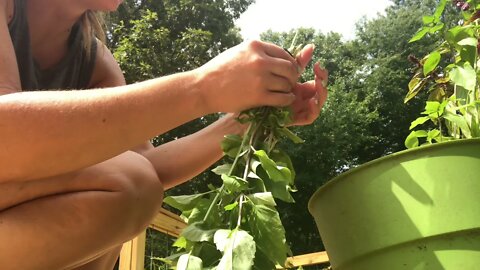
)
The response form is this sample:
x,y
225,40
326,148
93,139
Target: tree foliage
x,y
365,116
152,38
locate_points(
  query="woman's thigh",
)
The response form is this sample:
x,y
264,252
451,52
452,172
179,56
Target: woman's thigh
x,y
65,221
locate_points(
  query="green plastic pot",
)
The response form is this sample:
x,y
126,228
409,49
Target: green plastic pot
x,y
416,209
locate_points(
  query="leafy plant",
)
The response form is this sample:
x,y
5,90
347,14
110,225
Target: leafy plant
x,y
450,74
236,226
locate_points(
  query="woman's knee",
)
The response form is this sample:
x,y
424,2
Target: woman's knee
x,y
139,190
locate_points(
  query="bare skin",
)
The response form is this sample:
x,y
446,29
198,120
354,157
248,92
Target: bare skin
x,y
69,199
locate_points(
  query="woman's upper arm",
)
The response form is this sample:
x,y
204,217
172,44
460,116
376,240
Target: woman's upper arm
x,y
106,72
9,77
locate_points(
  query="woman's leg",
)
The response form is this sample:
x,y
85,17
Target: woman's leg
x,y
67,221
105,262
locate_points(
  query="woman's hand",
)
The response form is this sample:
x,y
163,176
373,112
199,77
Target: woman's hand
x,y
252,74
310,96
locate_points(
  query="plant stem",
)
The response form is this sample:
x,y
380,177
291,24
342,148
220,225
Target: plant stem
x,y
237,158
252,143
440,127
240,207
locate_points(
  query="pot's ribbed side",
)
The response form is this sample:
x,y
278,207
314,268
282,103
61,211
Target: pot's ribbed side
x,y
417,194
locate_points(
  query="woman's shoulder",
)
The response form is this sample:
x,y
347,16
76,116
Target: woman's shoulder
x,y
107,72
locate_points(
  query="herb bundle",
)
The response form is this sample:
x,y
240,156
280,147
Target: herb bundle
x,y
236,226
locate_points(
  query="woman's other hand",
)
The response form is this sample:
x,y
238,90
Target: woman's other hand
x,y
310,96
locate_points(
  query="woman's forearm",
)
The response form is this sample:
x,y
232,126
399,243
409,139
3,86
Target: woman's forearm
x,y
69,130
50,133
181,160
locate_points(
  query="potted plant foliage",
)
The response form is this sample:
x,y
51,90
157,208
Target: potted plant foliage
x,y
420,208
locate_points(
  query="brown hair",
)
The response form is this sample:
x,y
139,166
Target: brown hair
x,y
93,25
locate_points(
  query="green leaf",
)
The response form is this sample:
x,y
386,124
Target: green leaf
x,y
432,62
437,94
181,242
256,184
264,198
234,184
421,133
238,249
431,107
282,159
189,262
170,260
184,202
464,76
289,134
209,254
267,229
420,34
434,135
428,20
415,86
231,145
197,233
279,120
412,140
419,121
436,28
415,80
222,169
276,173
279,190
230,207
470,41
439,11
262,262
197,214
461,122
434,109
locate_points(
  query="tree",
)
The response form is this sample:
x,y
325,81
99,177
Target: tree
x,y
365,117
388,70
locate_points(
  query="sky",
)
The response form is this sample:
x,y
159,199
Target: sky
x,y
324,15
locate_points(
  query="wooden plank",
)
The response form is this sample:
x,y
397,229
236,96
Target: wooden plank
x,y
168,223
132,255
307,259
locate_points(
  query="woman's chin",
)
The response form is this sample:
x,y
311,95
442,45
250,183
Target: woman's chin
x,y
112,6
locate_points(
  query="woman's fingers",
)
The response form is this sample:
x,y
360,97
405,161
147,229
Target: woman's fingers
x,y
284,68
275,51
279,99
310,98
278,84
321,74
321,82
305,56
